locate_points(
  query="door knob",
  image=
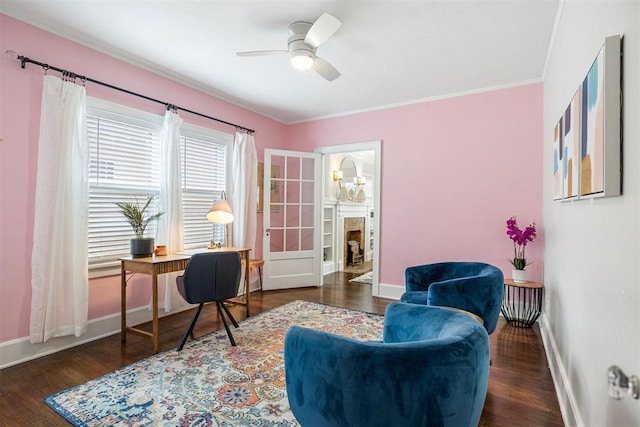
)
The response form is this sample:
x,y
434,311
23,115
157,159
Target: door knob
x,y
621,385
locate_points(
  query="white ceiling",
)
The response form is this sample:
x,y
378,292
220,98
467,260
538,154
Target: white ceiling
x,y
390,52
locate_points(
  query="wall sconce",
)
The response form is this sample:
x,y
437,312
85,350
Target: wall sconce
x,y
359,180
337,175
221,213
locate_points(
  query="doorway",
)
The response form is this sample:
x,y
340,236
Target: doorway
x,y
351,195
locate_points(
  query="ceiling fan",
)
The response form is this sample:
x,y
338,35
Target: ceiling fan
x,y
304,39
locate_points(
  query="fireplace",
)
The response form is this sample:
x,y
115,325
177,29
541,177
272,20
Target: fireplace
x,y
354,240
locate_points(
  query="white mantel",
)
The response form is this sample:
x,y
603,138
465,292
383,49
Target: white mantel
x,y
351,209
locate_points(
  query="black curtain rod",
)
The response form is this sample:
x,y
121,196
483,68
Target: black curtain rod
x,y
23,60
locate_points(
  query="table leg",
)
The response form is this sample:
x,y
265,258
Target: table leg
x,y
154,286
246,280
123,304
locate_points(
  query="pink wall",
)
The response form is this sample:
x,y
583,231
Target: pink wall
x,y
20,94
453,171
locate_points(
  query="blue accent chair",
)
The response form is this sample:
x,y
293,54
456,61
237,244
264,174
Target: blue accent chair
x,y
430,369
471,286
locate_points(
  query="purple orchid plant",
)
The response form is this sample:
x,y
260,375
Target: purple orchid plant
x,y
520,239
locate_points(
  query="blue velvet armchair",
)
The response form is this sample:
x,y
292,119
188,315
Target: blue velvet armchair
x,y
471,286
430,369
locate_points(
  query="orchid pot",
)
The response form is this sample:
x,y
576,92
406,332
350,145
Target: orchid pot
x,y
519,276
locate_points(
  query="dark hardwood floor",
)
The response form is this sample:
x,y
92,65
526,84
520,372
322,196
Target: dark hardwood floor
x,y
521,391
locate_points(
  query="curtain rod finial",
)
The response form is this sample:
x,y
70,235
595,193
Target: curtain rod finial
x,y
14,55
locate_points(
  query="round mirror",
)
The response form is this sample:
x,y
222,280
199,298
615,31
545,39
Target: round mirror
x,y
349,171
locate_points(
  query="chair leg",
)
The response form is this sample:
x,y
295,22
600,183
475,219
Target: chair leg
x,y
191,326
222,309
260,274
226,310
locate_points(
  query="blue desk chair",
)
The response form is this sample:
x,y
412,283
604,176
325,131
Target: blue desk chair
x,y
209,277
430,369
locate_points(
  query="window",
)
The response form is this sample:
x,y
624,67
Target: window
x,y
124,164
204,165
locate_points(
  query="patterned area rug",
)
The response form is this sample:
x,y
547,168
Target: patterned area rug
x,y
364,278
211,383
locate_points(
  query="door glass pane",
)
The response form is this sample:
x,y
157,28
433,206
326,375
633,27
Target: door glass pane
x,y
276,212
277,216
277,192
307,215
292,242
308,171
307,191
293,216
293,168
277,161
276,239
306,243
293,192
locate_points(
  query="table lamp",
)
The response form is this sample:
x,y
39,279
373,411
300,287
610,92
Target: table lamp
x,y
359,183
220,213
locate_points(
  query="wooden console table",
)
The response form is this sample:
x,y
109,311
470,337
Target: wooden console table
x,y
155,265
522,302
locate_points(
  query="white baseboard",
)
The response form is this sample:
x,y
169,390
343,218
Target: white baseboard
x,y
386,290
328,267
568,406
22,350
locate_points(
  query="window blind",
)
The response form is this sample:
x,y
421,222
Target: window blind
x,y
124,165
203,179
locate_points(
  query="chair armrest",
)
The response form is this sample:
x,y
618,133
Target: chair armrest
x,y
420,277
472,294
405,322
415,297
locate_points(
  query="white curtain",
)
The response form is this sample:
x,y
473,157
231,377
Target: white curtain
x,y
244,184
59,259
170,225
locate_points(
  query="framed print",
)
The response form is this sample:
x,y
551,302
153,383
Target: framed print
x,y
600,141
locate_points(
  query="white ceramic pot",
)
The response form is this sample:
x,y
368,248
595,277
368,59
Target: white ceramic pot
x,y
519,276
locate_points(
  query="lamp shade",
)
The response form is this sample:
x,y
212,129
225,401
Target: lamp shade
x,y
220,213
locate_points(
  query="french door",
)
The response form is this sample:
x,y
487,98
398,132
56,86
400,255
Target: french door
x,y
292,227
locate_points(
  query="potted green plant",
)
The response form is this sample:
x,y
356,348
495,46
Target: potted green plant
x,y
140,246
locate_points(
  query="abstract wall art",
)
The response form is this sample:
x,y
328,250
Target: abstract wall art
x,y
571,148
557,161
600,141
587,141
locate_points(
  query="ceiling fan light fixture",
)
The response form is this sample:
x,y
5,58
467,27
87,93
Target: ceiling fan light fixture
x,y
304,39
301,59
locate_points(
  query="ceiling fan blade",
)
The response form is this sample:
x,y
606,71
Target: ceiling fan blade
x,y
322,29
325,69
262,52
